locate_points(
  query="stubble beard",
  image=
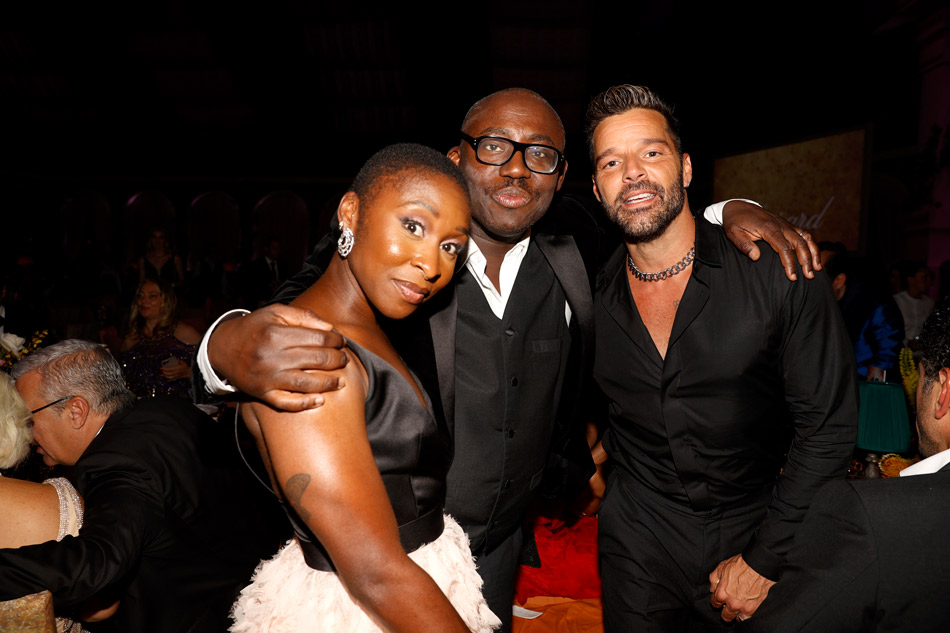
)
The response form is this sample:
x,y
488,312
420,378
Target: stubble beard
x,y
646,225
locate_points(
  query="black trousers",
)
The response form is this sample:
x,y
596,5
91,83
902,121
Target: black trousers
x,y
498,569
656,556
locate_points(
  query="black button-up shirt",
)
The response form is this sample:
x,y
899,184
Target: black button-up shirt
x,y
757,389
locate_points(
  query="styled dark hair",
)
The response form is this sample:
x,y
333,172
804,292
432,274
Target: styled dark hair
x,y
623,98
909,268
934,340
406,160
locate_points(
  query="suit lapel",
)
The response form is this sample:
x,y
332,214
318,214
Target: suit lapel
x,y
565,260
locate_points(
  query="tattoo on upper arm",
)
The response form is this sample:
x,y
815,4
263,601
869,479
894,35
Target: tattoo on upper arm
x,y
294,489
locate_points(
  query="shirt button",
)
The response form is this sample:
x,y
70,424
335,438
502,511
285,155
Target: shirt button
x,y
514,381
511,433
510,332
507,484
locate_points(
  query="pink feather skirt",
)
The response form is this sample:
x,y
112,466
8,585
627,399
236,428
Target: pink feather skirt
x,y
286,596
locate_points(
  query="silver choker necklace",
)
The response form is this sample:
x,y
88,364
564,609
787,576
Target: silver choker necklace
x,y
675,269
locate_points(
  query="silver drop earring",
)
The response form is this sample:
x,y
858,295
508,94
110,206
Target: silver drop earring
x,y
345,244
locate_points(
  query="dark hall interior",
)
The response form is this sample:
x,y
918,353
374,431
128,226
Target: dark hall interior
x,y
226,123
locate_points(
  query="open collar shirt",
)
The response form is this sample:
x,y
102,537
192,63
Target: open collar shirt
x,y
757,368
498,297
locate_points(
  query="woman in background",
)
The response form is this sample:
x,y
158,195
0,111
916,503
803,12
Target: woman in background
x,y
156,353
159,261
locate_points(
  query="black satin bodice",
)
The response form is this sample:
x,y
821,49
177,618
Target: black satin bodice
x,y
412,451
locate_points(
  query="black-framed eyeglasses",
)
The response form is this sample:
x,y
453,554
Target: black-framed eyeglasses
x,y
47,406
498,150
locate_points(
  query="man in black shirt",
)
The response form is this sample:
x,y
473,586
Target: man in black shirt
x,y
731,390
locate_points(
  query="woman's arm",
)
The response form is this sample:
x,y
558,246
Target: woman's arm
x,y
322,461
30,513
30,516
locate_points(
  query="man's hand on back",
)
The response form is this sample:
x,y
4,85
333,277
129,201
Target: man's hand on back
x,y
745,223
279,354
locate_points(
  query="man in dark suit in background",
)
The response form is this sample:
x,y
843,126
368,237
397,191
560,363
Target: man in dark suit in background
x,y
168,525
871,555
504,354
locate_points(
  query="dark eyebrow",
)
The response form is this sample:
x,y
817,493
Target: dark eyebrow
x,y
653,141
435,212
425,205
600,156
643,141
536,137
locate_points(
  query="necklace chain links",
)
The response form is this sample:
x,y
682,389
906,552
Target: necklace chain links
x,y
675,269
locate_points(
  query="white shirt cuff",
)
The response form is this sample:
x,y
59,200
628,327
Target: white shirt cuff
x,y
213,383
713,212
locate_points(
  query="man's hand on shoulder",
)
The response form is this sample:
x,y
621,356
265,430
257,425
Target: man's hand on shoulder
x,y
745,223
279,354
737,589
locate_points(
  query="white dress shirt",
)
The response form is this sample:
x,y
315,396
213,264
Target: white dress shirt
x,y
498,297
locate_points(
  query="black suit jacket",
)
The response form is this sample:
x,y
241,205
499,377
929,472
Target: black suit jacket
x,y
871,555
167,525
569,464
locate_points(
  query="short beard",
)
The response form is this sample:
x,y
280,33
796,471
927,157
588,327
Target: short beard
x,y
654,225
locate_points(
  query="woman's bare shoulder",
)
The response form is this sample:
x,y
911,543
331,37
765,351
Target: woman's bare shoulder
x,y
339,405
187,334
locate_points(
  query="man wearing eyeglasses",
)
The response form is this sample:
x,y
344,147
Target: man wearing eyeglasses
x,y
505,356
158,480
